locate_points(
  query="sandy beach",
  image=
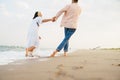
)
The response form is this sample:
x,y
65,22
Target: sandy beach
x,y
79,65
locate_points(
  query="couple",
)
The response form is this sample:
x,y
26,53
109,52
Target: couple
x,y
69,22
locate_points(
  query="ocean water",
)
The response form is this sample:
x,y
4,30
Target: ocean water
x,y
10,54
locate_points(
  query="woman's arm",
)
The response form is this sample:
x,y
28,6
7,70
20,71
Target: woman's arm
x,y
46,20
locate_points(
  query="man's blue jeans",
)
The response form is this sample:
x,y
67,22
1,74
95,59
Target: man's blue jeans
x,y
65,43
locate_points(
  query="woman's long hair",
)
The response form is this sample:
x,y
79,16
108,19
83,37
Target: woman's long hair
x,y
35,15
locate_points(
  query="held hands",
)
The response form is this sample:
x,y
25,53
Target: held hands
x,y
54,19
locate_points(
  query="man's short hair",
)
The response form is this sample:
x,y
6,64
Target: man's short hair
x,y
75,1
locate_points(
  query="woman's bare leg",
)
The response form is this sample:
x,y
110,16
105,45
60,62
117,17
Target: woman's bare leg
x,y
26,52
30,49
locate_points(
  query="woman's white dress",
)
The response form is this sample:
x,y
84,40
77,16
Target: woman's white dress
x,y
33,36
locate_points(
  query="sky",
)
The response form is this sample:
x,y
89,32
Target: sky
x,y
98,25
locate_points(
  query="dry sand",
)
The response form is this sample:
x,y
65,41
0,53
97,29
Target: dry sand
x,y
79,65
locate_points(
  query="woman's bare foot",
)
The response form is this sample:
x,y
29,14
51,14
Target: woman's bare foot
x,y
53,54
30,55
26,54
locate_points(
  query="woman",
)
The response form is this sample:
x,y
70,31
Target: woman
x,y
33,37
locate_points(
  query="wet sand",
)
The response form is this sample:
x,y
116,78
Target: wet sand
x,y
79,65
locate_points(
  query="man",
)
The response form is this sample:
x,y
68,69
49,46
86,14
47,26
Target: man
x,y
69,22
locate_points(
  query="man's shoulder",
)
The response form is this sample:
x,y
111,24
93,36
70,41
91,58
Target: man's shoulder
x,y
68,5
73,4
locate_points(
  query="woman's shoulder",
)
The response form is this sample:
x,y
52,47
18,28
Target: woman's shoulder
x,y
38,18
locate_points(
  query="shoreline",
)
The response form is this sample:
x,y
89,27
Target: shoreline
x,y
78,65
7,58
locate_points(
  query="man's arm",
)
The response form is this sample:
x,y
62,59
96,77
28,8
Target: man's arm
x,y
60,12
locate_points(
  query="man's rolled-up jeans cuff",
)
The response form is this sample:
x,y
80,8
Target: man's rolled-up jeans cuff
x,y
58,50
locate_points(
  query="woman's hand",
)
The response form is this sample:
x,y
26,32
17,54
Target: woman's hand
x,y
54,19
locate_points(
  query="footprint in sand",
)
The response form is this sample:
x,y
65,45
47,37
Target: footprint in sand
x,y
116,65
76,67
60,67
62,74
60,71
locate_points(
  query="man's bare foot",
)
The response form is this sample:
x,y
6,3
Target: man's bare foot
x,y
53,54
65,54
